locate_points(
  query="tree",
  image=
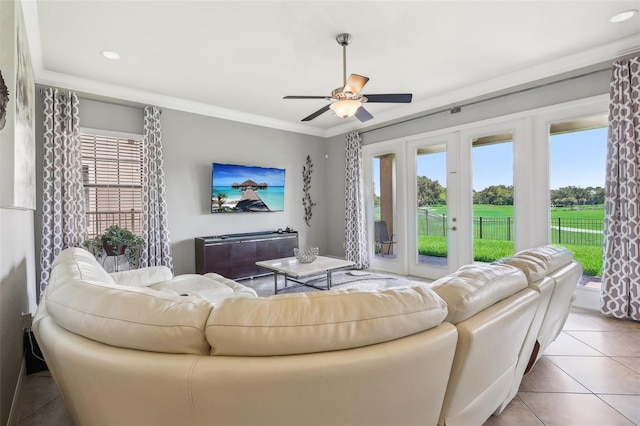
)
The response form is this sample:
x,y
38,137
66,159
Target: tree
x,y
595,195
572,195
376,198
500,195
222,198
430,192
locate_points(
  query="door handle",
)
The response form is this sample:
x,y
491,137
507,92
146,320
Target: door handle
x,y
453,228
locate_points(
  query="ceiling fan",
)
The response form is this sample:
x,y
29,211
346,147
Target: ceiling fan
x,y
347,100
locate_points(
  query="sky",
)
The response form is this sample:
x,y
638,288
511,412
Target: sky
x,y
228,174
576,158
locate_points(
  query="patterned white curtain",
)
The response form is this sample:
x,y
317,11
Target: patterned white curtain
x,y
355,222
63,202
155,230
620,295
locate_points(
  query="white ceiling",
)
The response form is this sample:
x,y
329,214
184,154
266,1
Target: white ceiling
x,y
237,59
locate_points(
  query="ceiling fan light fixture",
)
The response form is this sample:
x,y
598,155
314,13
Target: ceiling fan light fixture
x,y
347,100
346,108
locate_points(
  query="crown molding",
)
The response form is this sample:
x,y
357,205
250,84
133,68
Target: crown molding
x,y
128,95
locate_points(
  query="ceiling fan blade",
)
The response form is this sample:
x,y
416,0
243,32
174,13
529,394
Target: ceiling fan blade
x,y
395,98
355,83
363,115
317,113
307,97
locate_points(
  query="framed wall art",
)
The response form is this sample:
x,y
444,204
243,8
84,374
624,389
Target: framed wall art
x,y
238,188
17,107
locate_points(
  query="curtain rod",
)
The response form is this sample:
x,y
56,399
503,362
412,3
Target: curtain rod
x,y
458,107
132,105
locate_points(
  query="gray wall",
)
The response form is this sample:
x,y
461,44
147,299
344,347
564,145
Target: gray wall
x,y
17,269
335,192
17,293
551,94
191,143
569,90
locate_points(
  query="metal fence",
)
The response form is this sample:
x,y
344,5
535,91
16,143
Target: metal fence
x,y
581,232
585,232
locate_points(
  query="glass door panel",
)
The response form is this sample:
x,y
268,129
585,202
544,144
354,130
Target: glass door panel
x,y
385,199
431,212
493,196
577,158
432,209
383,168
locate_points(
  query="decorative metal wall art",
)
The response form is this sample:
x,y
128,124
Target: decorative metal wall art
x,y
307,203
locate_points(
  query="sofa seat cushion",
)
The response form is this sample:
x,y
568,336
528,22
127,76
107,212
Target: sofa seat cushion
x,y
142,277
130,317
473,288
211,287
318,322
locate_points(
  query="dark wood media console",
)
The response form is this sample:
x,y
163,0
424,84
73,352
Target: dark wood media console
x,y
235,255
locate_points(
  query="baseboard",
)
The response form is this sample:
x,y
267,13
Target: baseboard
x,y
14,413
587,298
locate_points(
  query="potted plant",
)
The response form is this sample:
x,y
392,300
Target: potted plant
x,y
116,241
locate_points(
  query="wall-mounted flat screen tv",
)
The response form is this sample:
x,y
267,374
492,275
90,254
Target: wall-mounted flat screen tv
x,y
236,188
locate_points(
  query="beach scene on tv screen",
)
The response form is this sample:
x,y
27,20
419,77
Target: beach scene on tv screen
x,y
237,188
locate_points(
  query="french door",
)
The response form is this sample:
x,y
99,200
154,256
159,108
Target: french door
x,y
435,225
425,190
385,198
462,197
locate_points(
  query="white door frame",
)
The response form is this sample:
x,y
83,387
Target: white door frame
x,y
397,265
522,172
455,226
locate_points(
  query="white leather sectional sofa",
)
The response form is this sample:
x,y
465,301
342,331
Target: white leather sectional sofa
x,y
144,348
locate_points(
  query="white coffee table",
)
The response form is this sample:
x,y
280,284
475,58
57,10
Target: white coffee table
x,y
292,270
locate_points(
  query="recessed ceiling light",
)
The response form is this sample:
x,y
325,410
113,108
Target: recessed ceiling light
x,y
111,55
623,16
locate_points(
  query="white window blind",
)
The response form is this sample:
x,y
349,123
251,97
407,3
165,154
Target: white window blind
x,y
112,177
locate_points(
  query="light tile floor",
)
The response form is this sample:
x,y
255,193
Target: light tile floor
x,y
589,376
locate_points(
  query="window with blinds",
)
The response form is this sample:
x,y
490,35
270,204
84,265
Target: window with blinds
x,y
112,177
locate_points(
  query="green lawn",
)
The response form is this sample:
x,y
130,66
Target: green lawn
x,y
589,256
489,210
580,212
586,246
490,250
483,250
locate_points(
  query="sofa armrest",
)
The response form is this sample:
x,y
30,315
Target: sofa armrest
x,y
143,277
